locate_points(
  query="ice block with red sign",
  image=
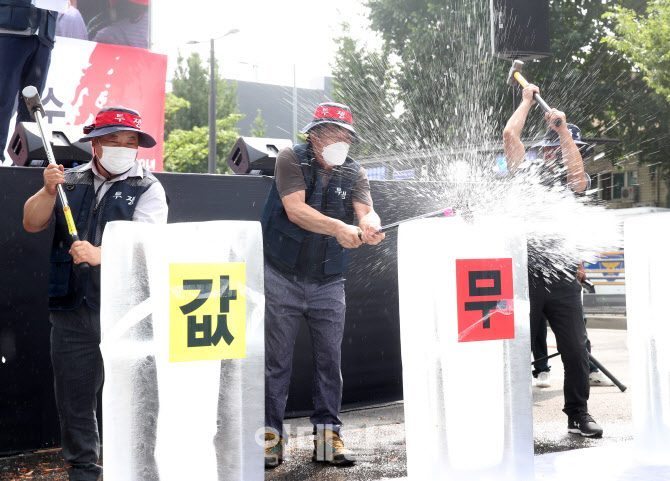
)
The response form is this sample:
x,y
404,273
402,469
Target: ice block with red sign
x,y
465,350
647,290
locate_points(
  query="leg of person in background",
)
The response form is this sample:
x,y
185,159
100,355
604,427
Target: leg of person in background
x,y
34,73
14,53
596,378
541,370
24,61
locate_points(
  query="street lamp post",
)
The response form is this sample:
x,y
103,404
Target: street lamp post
x,y
211,159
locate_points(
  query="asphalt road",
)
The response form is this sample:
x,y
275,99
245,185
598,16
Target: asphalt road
x,y
378,434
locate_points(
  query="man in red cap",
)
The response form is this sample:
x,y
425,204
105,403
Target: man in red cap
x,y
307,233
113,186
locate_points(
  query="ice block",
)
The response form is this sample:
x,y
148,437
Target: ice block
x,y
647,290
465,336
183,347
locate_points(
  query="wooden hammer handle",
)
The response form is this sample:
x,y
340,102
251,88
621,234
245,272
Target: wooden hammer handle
x,y
524,83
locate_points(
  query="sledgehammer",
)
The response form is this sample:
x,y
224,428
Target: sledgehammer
x,y
442,212
34,104
515,74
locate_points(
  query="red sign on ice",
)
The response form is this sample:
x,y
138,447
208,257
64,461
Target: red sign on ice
x,y
485,296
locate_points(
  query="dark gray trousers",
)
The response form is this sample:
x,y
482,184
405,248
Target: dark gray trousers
x,y
78,376
322,306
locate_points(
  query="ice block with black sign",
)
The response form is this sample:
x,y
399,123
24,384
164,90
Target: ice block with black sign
x,y
183,345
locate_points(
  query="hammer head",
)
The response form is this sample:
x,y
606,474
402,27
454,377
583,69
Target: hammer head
x,y
517,66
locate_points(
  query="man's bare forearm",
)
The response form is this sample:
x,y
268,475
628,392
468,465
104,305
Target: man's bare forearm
x,y
37,211
514,149
573,162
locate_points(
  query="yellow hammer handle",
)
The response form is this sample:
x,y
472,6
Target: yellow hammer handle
x,y
520,79
70,221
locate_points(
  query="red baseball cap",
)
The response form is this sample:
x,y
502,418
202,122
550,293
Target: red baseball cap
x,y
332,113
115,119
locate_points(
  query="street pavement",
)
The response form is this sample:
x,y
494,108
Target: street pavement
x,y
377,434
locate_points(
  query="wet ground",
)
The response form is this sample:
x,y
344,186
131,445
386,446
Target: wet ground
x,y
378,435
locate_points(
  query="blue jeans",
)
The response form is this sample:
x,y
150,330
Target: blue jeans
x,y
24,61
78,376
322,306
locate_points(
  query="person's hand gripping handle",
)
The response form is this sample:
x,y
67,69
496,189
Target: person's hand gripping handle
x,y
34,104
515,75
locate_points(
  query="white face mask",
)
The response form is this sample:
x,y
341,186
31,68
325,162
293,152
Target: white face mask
x,y
117,160
335,154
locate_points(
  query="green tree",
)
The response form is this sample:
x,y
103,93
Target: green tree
x,y
449,87
186,118
173,105
188,150
450,90
362,80
191,82
259,128
645,40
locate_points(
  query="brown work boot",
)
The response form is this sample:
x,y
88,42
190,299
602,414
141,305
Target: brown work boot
x,y
329,448
274,450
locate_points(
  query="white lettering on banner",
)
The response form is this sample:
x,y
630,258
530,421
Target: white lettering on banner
x,y
50,98
341,114
101,100
149,164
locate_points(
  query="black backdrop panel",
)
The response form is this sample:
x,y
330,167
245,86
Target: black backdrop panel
x,y
371,365
28,417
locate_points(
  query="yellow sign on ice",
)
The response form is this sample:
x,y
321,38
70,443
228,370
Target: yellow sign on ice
x,y
208,311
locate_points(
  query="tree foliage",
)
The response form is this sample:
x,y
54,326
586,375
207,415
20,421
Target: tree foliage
x,y
645,40
449,87
191,82
186,118
259,129
362,80
173,105
436,65
188,150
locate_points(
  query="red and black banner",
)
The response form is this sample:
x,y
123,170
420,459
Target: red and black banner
x,y
485,297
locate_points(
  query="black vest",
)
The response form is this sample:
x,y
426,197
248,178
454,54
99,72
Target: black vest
x,y
68,286
296,252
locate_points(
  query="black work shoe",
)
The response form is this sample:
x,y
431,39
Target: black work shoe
x,y
274,450
584,424
329,448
